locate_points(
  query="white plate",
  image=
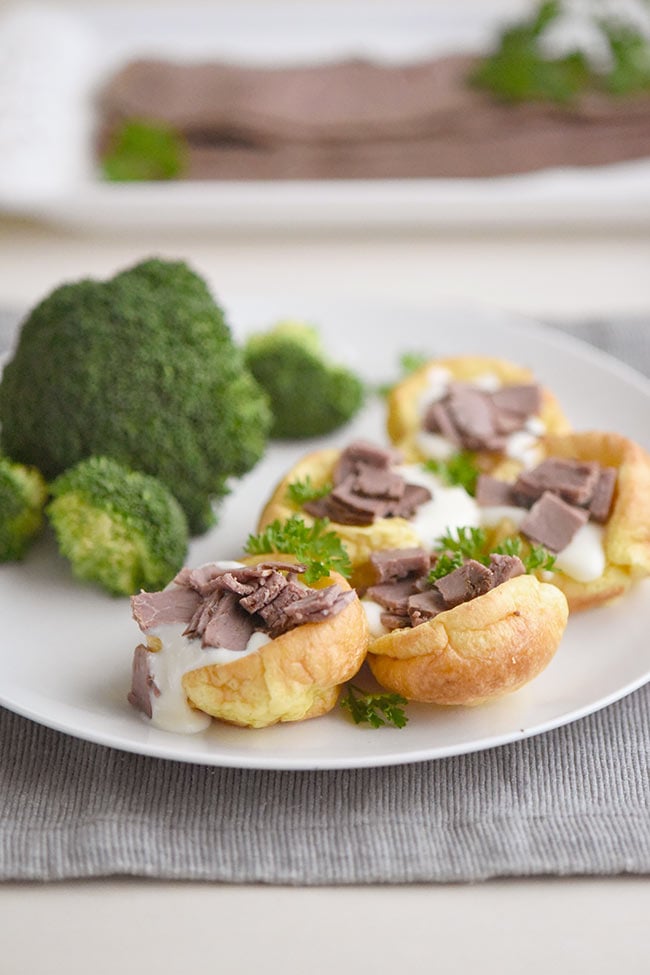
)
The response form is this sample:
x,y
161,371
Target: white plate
x,y
53,60
66,649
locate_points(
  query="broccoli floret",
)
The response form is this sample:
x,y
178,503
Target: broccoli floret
x,y
309,395
23,494
141,368
117,527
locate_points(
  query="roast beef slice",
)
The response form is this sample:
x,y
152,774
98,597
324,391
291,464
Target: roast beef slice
x,y
397,563
573,481
552,522
174,605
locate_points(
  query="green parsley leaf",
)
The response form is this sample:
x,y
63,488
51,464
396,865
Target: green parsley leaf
x,y
471,543
459,469
535,557
630,51
142,150
444,565
519,70
299,492
412,361
539,558
320,550
468,543
512,545
375,709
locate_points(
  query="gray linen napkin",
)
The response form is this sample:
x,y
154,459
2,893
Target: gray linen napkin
x,y
573,801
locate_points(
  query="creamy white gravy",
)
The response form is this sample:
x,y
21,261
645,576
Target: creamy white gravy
x,y
449,509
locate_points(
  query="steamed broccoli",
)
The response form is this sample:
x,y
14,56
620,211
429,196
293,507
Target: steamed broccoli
x,y
141,368
117,527
309,395
22,497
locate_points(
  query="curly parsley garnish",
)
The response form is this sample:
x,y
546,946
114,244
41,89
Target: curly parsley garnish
x,y
375,709
321,551
519,69
534,557
468,543
471,543
142,150
444,565
299,492
459,469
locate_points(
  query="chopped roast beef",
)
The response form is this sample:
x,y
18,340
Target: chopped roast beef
x,y
582,489
393,596
504,567
364,453
394,621
229,625
175,605
573,481
601,500
273,614
396,563
552,522
476,419
318,604
438,420
367,487
491,492
142,683
522,400
470,580
425,606
409,598
224,607
272,586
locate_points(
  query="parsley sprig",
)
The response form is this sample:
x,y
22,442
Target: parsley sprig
x,y
471,543
299,492
375,709
534,557
459,469
520,70
468,543
143,150
320,550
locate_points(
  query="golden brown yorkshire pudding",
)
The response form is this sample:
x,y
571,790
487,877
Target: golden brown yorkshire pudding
x,y
623,541
406,402
295,676
481,649
360,541
373,501
246,642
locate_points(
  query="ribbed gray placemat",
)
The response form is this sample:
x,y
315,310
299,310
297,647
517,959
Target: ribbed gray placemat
x,y
573,801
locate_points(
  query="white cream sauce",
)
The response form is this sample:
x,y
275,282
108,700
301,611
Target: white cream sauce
x,y
449,509
178,656
584,557
373,613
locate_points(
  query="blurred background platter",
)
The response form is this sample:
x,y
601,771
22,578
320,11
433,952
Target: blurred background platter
x,y
54,59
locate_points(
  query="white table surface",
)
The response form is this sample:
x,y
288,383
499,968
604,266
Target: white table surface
x,y
511,926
